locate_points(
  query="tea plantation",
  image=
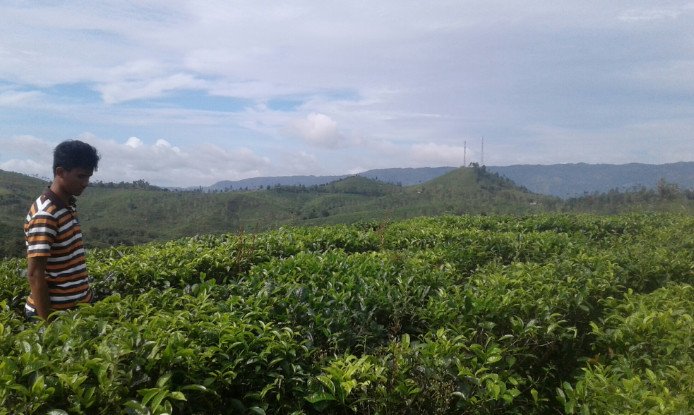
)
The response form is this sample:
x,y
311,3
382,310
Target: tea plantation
x,y
539,314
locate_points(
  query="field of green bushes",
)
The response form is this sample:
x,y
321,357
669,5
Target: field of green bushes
x,y
541,314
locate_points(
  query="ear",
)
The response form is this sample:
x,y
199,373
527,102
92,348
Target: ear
x,y
59,171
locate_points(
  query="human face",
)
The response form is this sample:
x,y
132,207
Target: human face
x,y
73,182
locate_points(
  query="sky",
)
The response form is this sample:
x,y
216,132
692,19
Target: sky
x,y
188,93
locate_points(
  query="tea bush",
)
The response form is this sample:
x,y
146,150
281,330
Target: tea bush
x,y
446,315
643,359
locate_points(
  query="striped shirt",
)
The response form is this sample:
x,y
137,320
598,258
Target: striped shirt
x,y
53,231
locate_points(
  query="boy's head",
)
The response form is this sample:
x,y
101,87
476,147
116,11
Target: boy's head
x,y
72,154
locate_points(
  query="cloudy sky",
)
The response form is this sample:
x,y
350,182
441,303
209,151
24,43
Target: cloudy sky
x,y
190,92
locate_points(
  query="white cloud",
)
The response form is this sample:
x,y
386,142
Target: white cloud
x,y
166,146
319,130
160,163
253,89
26,145
19,98
30,167
117,92
136,70
163,163
134,142
650,14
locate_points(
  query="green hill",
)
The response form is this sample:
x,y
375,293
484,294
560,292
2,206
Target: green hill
x,y
468,190
123,216
127,214
17,192
461,191
136,213
361,186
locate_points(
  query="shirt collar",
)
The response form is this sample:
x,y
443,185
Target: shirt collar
x,y
58,201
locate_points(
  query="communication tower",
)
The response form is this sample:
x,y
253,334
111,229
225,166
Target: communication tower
x,y
465,154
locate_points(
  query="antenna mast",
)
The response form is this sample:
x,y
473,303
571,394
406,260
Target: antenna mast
x,y
482,163
465,154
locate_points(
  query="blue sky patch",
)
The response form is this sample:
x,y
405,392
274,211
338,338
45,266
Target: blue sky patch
x,y
285,104
81,93
193,100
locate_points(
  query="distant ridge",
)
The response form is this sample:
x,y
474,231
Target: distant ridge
x,y
573,180
261,182
562,180
402,176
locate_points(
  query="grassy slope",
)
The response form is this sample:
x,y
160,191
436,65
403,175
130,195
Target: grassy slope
x,y
117,216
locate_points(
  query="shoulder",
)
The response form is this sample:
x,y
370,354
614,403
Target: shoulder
x,y
43,208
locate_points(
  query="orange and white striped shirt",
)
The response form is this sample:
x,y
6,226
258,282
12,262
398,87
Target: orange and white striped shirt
x,y
52,230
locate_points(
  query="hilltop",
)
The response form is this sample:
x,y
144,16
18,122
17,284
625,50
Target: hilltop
x,y
138,213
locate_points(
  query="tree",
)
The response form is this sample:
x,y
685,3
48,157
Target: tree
x,y
667,191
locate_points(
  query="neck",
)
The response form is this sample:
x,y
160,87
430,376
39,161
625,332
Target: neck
x,y
61,193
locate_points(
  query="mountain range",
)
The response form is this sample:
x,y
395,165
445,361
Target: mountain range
x,y
400,176
573,180
562,180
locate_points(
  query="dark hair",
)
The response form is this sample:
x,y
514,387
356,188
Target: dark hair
x,y
74,153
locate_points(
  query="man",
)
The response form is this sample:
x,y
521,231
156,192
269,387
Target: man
x,y
57,271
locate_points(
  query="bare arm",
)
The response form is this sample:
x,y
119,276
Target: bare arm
x,y
39,289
